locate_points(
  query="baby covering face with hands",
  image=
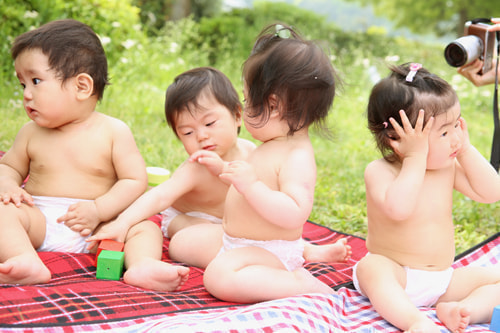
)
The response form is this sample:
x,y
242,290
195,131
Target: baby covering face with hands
x,y
417,123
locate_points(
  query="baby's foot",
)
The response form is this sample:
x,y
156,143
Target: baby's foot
x,y
455,317
336,252
24,269
156,275
424,326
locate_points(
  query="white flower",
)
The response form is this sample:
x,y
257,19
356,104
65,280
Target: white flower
x,y
30,14
128,43
174,47
393,58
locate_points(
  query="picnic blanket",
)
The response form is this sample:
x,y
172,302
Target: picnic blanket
x,y
75,297
75,301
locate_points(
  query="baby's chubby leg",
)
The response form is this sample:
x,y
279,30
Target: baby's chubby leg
x,y
470,297
144,268
252,274
383,281
21,230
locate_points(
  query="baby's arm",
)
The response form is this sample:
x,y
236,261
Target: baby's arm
x,y
152,202
399,197
14,167
130,170
475,177
288,207
131,182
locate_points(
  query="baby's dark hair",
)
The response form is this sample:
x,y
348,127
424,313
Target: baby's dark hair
x,y
182,95
72,48
426,91
297,71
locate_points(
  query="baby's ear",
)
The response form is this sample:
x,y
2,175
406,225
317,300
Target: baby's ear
x,y
274,105
84,85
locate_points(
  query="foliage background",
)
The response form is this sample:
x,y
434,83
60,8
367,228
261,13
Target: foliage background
x,y
143,61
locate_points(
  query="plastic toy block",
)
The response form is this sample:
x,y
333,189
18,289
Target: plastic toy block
x,y
110,245
495,320
110,265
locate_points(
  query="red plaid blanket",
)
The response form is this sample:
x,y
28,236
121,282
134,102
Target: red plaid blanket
x,y
68,304
75,296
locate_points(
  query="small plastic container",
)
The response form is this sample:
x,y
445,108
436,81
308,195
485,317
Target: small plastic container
x,y
156,176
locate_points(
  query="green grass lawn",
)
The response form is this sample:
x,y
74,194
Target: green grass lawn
x,y
136,96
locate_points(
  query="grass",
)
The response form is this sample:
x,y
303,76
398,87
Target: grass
x,y
136,96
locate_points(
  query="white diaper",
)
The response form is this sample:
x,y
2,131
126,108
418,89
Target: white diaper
x,y
422,287
425,287
170,213
290,253
58,237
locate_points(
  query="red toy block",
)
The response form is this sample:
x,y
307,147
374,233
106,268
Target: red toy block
x,y
110,245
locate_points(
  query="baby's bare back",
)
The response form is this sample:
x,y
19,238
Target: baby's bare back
x,y
272,162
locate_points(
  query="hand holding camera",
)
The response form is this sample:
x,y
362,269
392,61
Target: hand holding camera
x,y
474,53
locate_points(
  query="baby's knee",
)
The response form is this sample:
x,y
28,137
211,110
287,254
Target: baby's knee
x,y
147,226
29,217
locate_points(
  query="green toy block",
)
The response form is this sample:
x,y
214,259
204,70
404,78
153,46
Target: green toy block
x,y
110,245
110,265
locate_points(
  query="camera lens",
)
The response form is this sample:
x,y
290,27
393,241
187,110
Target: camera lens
x,y
463,50
455,55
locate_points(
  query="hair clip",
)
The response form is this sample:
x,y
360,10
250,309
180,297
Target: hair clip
x,y
386,124
414,67
282,32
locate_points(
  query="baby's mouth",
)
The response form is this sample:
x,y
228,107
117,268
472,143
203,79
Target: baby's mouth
x,y
210,147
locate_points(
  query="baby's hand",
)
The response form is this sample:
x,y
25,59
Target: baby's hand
x,y
239,173
111,230
81,217
465,136
211,160
17,195
412,141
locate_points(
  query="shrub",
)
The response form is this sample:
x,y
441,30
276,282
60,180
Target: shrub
x,y
115,21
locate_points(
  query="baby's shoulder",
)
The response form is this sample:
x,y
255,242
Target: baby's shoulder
x,y
381,168
245,147
111,122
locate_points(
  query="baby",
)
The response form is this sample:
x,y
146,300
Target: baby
x,y
416,119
